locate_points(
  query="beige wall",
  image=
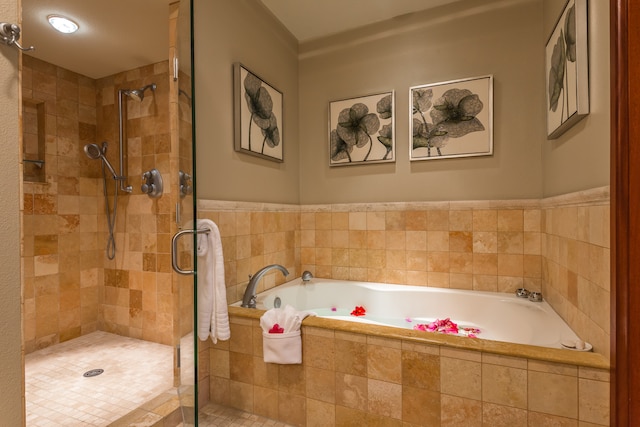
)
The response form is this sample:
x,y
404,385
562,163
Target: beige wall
x,y
242,31
579,159
11,382
458,41
503,38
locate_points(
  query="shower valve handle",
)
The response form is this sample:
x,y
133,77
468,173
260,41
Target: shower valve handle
x,y
152,183
147,189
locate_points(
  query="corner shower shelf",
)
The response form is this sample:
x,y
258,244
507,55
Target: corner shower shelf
x,y
39,163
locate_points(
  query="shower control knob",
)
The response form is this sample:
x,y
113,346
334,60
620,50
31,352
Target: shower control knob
x,y
185,184
152,183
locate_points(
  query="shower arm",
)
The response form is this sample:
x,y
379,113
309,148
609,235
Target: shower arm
x,y
123,179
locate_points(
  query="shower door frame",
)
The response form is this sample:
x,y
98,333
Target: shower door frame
x,y
625,212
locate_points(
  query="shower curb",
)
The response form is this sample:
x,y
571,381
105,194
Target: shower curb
x,y
161,411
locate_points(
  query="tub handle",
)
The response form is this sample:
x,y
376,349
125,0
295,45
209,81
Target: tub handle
x,y
535,296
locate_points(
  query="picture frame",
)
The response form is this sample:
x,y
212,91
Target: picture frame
x,y
258,116
362,130
567,69
451,119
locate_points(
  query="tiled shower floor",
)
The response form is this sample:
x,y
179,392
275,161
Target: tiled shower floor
x,y
57,393
135,371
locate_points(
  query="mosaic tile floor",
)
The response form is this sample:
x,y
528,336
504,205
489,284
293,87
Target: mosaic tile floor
x,y
135,371
57,393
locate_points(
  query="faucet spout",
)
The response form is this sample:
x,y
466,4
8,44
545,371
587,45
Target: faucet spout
x,y
249,298
306,276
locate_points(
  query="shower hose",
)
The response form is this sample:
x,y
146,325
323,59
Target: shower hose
x,y
111,215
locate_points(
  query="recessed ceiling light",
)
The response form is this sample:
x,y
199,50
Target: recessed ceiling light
x,y
62,24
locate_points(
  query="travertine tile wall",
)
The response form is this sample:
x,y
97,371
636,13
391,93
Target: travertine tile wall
x,y
61,246
139,300
254,236
576,262
487,246
559,246
357,379
70,287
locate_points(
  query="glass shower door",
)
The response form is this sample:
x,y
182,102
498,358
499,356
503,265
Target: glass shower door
x,y
183,249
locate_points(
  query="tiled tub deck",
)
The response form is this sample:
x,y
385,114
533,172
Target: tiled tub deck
x,y
355,374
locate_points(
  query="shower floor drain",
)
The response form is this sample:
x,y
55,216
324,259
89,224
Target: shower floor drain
x,y
93,373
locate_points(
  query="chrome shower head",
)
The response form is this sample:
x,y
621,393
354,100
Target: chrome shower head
x,y
138,94
93,151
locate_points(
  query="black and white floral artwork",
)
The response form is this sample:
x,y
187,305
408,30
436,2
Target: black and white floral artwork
x,y
361,130
257,115
567,70
451,119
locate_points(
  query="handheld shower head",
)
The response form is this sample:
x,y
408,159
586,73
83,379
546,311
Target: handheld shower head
x,y
93,151
138,94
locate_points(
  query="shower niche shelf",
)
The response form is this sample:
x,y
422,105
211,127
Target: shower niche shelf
x,y
33,140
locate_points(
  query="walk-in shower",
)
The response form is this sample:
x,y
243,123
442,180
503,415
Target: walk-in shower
x,y
110,310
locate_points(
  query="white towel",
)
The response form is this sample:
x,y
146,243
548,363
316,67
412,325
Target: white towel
x,y
284,348
213,315
288,318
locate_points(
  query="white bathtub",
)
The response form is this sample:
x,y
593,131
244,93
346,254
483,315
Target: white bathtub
x,y
498,316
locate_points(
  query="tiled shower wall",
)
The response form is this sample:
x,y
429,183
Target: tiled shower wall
x,y
138,299
61,246
70,287
494,246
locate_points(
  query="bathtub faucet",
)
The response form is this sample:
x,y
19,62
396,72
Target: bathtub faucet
x,y
306,276
249,298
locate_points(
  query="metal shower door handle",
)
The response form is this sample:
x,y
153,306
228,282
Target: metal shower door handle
x,y
174,252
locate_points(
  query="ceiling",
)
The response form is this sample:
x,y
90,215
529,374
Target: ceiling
x,y
114,35
117,35
311,19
